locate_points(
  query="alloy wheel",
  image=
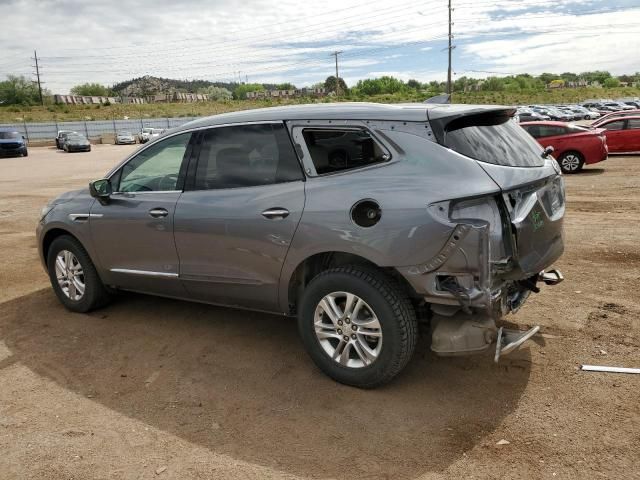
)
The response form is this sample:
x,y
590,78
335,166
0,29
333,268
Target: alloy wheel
x,y
348,329
70,275
571,162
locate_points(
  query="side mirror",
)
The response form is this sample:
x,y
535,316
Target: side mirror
x,y
547,151
101,189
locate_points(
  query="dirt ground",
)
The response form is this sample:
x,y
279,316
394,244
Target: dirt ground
x,y
155,388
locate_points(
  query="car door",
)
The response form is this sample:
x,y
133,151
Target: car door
x,y
615,133
133,232
632,130
238,215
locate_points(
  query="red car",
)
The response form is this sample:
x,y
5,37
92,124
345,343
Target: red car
x,y
609,116
573,145
623,134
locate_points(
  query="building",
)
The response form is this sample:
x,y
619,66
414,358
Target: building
x,y
177,97
303,92
90,100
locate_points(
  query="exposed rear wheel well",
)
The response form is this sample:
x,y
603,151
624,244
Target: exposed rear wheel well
x,y
320,262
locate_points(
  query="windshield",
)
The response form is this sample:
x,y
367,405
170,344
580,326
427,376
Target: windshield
x,y
8,135
493,138
125,134
75,137
147,130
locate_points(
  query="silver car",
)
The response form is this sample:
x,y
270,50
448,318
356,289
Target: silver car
x,y
125,138
359,219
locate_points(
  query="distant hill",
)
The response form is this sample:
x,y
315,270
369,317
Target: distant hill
x,y
147,85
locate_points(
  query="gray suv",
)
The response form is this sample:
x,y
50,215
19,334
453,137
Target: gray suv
x,y
359,219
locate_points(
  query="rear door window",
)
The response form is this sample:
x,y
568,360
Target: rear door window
x,y
246,156
617,125
551,130
492,138
334,150
633,123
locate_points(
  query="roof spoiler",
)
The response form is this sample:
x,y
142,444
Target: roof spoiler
x,y
443,98
472,117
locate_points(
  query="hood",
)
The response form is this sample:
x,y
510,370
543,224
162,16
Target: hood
x,y
12,140
68,196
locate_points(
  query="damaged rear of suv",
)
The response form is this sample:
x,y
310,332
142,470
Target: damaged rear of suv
x,y
359,219
500,244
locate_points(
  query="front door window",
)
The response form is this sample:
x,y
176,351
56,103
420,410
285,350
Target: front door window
x,y
156,168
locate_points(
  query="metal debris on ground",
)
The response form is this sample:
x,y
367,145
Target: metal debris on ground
x,y
600,368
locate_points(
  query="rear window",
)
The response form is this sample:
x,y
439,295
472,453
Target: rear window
x,y
493,138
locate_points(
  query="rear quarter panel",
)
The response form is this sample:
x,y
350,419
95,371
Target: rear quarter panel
x,y
420,172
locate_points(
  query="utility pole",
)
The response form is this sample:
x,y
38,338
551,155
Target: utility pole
x,y
335,54
450,48
35,57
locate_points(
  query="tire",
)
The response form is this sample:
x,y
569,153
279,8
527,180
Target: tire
x,y
95,294
396,334
25,153
571,162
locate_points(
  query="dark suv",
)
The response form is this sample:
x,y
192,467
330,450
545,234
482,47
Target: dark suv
x,y
356,218
12,144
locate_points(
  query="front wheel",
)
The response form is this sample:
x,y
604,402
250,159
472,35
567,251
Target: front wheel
x,y
74,277
571,162
358,325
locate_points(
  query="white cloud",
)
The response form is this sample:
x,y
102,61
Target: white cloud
x,y
292,41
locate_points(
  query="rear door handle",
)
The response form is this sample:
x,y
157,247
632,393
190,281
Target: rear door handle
x,y
277,213
158,212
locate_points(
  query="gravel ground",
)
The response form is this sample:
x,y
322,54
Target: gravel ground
x,y
155,388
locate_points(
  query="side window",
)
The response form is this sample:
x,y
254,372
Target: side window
x,y
550,130
246,156
156,168
531,130
633,123
335,150
617,125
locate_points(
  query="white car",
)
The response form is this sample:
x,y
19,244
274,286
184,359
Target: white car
x,y
125,138
148,133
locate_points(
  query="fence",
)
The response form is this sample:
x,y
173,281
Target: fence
x,y
93,128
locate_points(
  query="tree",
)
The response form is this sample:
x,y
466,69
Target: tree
x,y
91,90
19,90
611,82
415,84
240,93
286,86
216,93
330,84
493,84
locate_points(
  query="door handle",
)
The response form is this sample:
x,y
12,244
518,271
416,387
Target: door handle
x,y
158,212
277,213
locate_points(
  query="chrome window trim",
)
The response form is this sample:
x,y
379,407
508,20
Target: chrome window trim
x,y
146,192
180,132
145,273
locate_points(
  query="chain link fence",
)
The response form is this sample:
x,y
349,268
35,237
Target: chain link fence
x,y
93,129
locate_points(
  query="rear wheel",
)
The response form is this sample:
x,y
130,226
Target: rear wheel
x,y
74,277
358,325
571,162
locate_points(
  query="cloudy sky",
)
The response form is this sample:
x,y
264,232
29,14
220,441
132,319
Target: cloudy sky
x,y
266,41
